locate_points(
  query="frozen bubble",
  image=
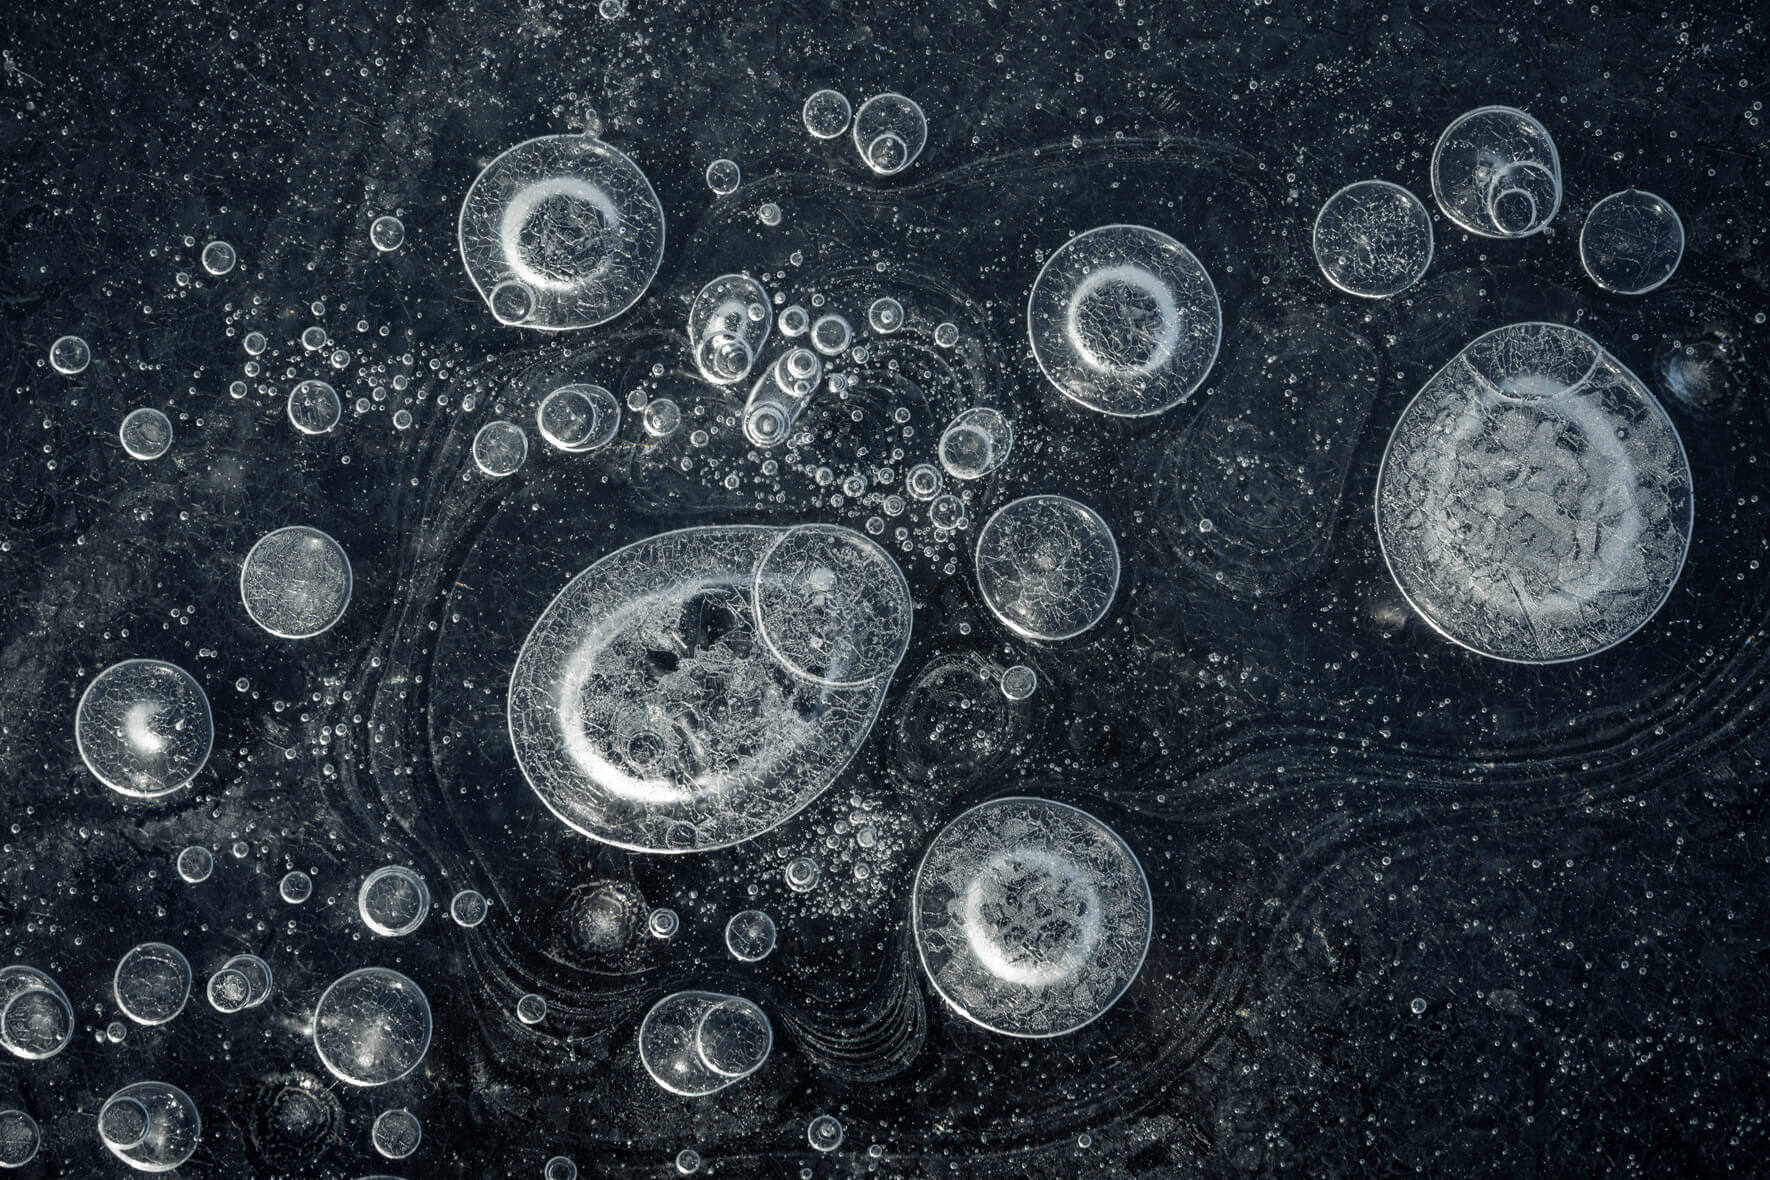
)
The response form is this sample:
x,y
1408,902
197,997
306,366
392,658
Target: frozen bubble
x,y
695,1043
1031,917
152,983
1373,239
229,990
500,448
296,582
195,864
824,1133
402,419
511,301
1534,503
387,232
662,417
794,321
826,114
372,1027
314,407
559,1168
1632,242
393,901
1496,173
946,334
19,1138
890,131
780,395
151,1126
69,355
36,1019
728,325
468,908
296,887
1417,1006
924,481
219,257
146,433
688,1161
1047,566
396,1134
143,728
749,936
313,339
831,334
724,176
947,512
976,443
571,221
257,975
647,711
663,923
885,316
802,874
833,606
579,417
769,213
1019,682
1124,320
531,1009
255,343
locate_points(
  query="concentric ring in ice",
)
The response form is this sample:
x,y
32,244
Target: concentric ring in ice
x,y
1495,172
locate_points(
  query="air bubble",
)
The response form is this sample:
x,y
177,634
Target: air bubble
x,y
885,316
396,1134
295,887
1632,242
393,901
726,337
36,1019
890,132
219,257
1019,682
724,176
387,233
824,1133
576,418
826,114
1495,172
976,443
531,1008
750,936
695,1043
468,908
146,433
314,407
296,582
152,983
1047,566
69,355
1373,239
195,864
372,1027
151,1126
143,728
500,448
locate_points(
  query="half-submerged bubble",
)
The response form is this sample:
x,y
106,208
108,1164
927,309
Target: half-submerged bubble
x,y
1632,242
143,728
890,131
1495,172
372,1027
151,1126
696,1043
579,417
1534,503
1047,566
36,1019
727,327
296,582
1373,239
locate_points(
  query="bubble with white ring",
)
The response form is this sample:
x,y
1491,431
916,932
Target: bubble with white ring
x,y
500,448
1047,566
143,728
393,901
146,433
1495,172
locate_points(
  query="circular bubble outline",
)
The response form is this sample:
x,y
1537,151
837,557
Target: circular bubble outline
x,y
1414,203
899,585
1447,206
402,979
1585,227
305,530
128,789
1118,567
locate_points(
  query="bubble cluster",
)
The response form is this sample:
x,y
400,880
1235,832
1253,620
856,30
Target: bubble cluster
x,y
1495,172
372,1027
143,728
1632,242
296,582
1047,566
1374,239
695,1043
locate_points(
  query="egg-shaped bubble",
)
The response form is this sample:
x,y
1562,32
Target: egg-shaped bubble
x,y
1031,917
296,582
151,1126
1124,320
393,901
1495,172
1632,242
69,355
500,448
372,1027
1374,239
314,407
36,1019
826,114
890,131
219,257
146,433
727,327
571,220
647,710
396,1134
695,1043
1534,503
143,728
975,443
1047,566
724,176
152,983
20,1137
833,606
387,233
750,936
578,417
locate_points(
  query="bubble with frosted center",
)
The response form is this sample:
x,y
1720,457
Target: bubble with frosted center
x,y
143,728
372,1027
1047,566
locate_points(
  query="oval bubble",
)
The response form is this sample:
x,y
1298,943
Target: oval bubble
x,y
393,901
1373,239
19,1138
151,1126
890,132
826,114
727,327
1047,566
1124,320
975,443
372,1027
1632,242
143,728
69,355
1495,172
1031,917
314,407
833,606
500,448
152,983
579,417
571,219
36,1019
695,1043
296,582
146,433
750,936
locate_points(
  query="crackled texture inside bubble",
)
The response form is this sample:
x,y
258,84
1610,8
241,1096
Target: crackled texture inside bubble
x,y
143,728
393,901
1124,320
571,220
578,417
396,1134
152,983
219,257
146,433
1632,242
1535,501
228,991
890,132
1031,917
19,1138
500,448
314,407
724,176
648,712
728,325
826,113
468,908
974,443
1047,566
69,355
696,1043
372,1027
295,887
1495,172
1373,239
750,936
833,606
36,1019
296,582
387,233
195,864
151,1126
257,975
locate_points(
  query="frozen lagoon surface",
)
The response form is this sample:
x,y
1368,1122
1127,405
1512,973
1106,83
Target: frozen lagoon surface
x,y
1379,886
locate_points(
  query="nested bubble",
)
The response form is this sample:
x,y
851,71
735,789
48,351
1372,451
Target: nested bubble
x,y
724,176
228,990
885,316
780,395
824,1133
396,1134
469,908
314,407
69,355
146,433
387,232
727,327
579,417
19,1138
794,321
195,864
143,728
890,131
1019,682
695,1043
1031,917
802,874
372,1027
750,936
663,923
662,417
975,443
1495,172
559,1168
826,114
1632,242
833,606
1534,503
647,710
151,1126
257,975
296,582
1373,238
1047,566
500,448
393,901
1124,320
923,481
36,1019
152,983
570,221
219,257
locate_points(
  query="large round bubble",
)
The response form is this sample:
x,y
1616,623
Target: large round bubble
x,y
1535,501
151,1126
695,1043
1496,173
1031,917
648,710
152,983
19,1138
1047,566
1373,239
296,582
372,1027
36,1019
1124,320
143,728
1632,242
561,232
